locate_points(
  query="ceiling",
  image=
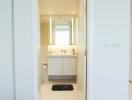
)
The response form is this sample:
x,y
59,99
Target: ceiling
x,y
58,7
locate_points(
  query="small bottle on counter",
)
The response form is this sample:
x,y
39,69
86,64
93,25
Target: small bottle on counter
x,y
73,51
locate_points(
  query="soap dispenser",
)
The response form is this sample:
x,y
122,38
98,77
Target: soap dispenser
x,y
73,51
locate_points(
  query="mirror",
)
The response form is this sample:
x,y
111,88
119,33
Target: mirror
x,y
63,30
62,34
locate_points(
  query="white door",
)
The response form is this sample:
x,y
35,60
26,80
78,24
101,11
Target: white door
x,y
26,47
6,51
54,66
130,70
69,66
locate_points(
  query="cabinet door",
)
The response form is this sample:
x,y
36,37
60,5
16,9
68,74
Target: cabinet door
x,y
54,66
69,66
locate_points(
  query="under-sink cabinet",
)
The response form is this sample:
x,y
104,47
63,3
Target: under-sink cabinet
x,y
61,65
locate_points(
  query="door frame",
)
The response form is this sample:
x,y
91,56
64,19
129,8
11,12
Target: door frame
x,y
36,19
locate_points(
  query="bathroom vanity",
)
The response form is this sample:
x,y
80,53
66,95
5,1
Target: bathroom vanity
x,y
62,65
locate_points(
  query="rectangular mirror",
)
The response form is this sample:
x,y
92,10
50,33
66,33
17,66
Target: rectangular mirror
x,y
62,29
62,34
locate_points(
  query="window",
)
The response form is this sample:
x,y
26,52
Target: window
x,y
62,35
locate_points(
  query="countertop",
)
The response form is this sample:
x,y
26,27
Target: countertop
x,y
64,55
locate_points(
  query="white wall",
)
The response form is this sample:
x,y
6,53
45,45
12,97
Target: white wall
x,y
108,49
26,33
6,51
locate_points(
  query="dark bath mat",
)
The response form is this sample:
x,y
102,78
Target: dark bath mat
x,y
62,87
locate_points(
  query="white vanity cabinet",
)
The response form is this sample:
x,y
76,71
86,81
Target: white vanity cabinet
x,y
54,66
69,65
62,65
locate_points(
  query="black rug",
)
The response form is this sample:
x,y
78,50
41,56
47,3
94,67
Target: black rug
x,y
62,87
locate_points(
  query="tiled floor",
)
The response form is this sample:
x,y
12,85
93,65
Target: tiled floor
x,y
48,94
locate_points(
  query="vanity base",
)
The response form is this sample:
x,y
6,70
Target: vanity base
x,y
62,77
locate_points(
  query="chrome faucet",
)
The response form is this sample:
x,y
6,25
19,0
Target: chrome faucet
x,y
63,51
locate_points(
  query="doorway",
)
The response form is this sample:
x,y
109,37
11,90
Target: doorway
x,y
62,49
